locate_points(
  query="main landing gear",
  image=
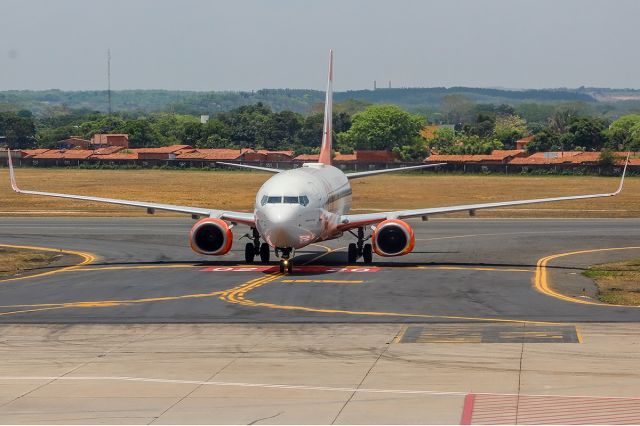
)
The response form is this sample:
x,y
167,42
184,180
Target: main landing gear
x,y
360,249
251,250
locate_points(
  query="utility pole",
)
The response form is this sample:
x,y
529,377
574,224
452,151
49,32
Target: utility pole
x,y
109,78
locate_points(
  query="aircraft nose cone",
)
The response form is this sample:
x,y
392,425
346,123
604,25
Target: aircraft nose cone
x,y
282,216
282,227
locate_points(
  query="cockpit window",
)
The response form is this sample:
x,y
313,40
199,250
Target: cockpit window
x,y
303,200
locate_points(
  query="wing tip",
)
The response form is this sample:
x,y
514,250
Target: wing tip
x,y
12,175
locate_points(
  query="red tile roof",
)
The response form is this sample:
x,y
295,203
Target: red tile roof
x,y
70,154
162,150
267,152
26,153
308,157
108,150
526,139
376,156
344,157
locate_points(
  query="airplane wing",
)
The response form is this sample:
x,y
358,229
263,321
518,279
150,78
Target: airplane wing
x,y
241,217
357,220
246,166
356,175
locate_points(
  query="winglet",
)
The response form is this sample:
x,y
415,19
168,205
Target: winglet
x,y
325,150
12,175
624,172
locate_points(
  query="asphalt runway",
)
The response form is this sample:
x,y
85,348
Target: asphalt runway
x,y
141,270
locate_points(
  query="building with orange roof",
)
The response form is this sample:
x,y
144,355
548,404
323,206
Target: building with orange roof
x,y
161,153
73,142
522,143
307,158
110,139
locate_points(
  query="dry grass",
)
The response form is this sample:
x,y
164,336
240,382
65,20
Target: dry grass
x,y
618,283
13,261
236,190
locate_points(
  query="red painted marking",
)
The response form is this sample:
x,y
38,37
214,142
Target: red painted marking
x,y
467,410
310,268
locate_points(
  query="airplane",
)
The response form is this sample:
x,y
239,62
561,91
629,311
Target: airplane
x,y
302,206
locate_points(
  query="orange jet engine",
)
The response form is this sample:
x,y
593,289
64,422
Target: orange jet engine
x,y
211,236
393,237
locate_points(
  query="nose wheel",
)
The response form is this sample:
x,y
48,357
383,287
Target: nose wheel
x,y
285,260
286,265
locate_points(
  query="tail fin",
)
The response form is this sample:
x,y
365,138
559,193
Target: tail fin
x,y
325,150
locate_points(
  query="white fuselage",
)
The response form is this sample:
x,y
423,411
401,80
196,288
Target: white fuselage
x,y
301,206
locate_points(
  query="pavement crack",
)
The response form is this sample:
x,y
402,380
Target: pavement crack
x,y
213,376
255,422
520,377
356,390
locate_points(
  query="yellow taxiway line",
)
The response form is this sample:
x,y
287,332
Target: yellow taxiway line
x,y
325,281
541,278
87,258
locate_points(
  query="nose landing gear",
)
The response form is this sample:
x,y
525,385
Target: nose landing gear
x,y
285,262
251,250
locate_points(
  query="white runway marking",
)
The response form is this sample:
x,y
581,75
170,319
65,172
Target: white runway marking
x,y
295,387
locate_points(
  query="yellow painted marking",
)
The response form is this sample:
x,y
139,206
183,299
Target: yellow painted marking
x,y
325,281
578,334
329,250
87,258
471,268
541,279
237,295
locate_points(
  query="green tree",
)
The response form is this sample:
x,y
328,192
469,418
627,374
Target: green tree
x,y
19,130
382,127
586,133
624,133
509,128
545,140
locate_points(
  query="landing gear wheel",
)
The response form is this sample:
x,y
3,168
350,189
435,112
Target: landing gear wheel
x,y
264,253
282,266
367,253
352,254
289,267
249,252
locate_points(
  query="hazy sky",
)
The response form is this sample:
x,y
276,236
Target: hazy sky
x,y
252,44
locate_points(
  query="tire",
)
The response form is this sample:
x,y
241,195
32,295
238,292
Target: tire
x,y
367,253
249,252
281,267
265,252
290,266
352,253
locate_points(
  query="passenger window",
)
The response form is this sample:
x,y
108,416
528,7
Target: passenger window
x,y
304,200
290,200
274,200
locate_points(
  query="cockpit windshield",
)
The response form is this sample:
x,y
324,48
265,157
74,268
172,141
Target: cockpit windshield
x,y
303,200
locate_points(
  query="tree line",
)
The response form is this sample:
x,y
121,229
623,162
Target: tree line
x,y
476,129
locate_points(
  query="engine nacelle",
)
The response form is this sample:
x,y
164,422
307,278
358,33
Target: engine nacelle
x,y
211,236
393,237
